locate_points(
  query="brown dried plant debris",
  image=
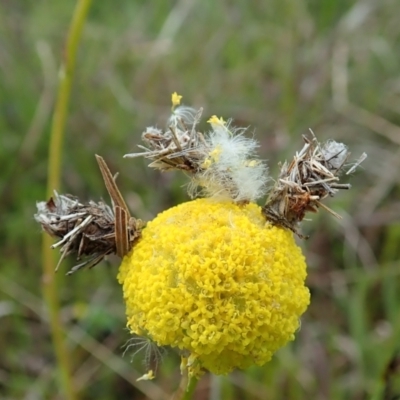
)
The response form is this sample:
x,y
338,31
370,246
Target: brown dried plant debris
x,y
180,146
312,175
92,230
221,162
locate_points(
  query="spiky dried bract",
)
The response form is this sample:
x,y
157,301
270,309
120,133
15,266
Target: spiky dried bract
x,y
213,279
86,230
222,163
179,147
312,176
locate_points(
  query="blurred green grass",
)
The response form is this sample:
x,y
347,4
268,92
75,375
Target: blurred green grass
x,y
278,66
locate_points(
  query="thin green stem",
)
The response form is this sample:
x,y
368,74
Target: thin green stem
x,y
185,390
54,168
64,90
190,388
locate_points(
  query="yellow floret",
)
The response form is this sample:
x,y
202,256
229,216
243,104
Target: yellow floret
x,y
214,279
175,99
217,121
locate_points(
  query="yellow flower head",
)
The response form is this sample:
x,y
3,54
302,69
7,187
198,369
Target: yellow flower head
x,y
176,99
214,279
217,121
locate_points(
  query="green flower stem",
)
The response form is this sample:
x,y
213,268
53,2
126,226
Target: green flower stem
x,y
186,387
187,394
54,167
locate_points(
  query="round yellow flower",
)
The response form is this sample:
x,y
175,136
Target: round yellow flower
x,y
215,280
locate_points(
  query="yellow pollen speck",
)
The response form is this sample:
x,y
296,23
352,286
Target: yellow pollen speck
x,y
216,281
252,163
206,163
215,153
212,157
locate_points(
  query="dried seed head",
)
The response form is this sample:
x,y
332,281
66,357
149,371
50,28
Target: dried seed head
x,y
92,230
179,147
87,230
312,176
221,163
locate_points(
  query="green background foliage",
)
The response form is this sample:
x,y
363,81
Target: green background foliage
x,y
278,66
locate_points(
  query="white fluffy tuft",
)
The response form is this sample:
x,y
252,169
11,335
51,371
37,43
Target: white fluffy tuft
x,y
231,169
335,153
184,114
